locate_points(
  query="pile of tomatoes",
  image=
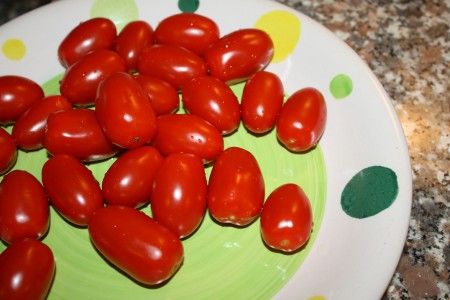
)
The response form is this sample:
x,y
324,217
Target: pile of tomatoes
x,y
119,98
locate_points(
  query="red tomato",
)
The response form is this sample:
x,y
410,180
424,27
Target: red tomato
x,y
191,31
93,34
17,94
261,102
24,208
214,101
8,151
188,134
81,79
302,120
129,180
286,218
236,188
29,129
236,56
173,64
131,40
179,194
72,189
162,95
135,243
64,135
27,272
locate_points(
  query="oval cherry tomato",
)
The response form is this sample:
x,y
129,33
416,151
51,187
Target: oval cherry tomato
x,y
93,34
81,79
286,218
238,55
179,194
302,120
64,135
29,129
261,102
236,188
72,189
129,180
135,243
162,95
17,94
8,151
131,40
27,272
214,101
191,31
124,112
188,134
173,64
24,208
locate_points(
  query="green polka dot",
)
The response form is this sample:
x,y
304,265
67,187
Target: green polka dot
x,y
14,49
369,192
121,12
188,5
341,86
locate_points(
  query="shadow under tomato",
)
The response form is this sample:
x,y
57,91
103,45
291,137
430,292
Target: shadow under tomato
x,y
231,224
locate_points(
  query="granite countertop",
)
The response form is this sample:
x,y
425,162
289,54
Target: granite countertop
x,y
407,45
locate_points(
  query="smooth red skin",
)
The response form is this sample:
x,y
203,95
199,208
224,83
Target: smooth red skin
x,y
214,101
173,64
302,120
191,31
29,129
162,95
179,194
236,188
129,180
8,151
77,132
261,102
135,243
24,208
286,218
17,95
238,55
183,133
124,112
93,34
81,79
131,40
27,271
72,189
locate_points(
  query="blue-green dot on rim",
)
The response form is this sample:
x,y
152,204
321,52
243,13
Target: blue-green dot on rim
x,y
188,5
341,86
121,12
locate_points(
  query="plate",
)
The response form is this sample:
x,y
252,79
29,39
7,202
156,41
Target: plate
x,y
358,179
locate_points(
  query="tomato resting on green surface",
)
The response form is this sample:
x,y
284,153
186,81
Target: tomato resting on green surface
x,y
8,151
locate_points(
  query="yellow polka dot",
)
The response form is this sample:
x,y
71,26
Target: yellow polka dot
x,y
14,49
284,28
317,298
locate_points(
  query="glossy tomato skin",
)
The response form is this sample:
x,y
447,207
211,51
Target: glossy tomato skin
x,y
179,194
162,95
93,34
214,101
24,208
17,94
129,180
188,134
135,243
80,81
286,218
131,40
261,102
173,64
189,30
72,189
302,120
64,135
29,129
236,188
27,272
238,55
8,151
124,111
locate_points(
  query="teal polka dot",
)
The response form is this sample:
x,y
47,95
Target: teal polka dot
x,y
341,86
188,5
121,12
